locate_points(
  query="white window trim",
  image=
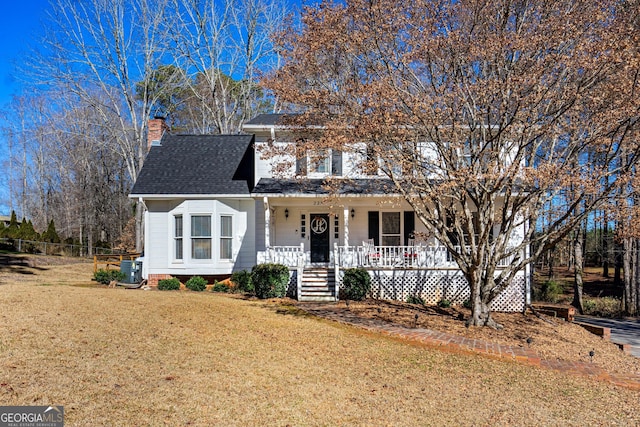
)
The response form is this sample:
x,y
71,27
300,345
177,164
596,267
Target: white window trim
x,y
220,237
177,238
192,238
400,234
311,172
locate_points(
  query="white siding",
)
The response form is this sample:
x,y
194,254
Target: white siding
x,y
266,168
159,250
155,253
259,225
245,236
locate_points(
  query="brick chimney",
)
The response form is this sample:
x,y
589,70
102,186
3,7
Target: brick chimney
x,y
156,128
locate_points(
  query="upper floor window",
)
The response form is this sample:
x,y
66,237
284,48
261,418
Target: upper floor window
x,y
320,163
389,164
201,237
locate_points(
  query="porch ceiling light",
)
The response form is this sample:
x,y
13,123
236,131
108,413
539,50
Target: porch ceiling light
x,y
286,213
353,213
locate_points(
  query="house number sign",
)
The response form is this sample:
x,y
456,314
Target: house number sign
x,y
318,225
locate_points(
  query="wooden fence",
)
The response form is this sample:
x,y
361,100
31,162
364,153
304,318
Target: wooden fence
x,y
47,248
111,260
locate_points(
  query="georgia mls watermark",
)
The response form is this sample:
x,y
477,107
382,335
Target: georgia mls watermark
x,y
31,416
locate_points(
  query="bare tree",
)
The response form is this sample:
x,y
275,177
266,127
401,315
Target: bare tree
x,y
68,168
481,113
223,46
98,50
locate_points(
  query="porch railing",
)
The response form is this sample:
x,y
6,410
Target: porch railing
x,y
394,256
400,256
291,256
368,256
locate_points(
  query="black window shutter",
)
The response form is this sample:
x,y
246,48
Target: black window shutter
x,y
452,234
409,226
336,163
374,227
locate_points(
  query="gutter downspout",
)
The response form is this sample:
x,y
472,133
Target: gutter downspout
x,y
145,238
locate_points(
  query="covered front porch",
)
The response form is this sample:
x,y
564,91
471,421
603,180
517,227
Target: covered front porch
x,y
397,272
318,239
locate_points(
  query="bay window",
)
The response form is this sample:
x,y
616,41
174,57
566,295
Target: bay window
x,y
201,237
226,237
177,236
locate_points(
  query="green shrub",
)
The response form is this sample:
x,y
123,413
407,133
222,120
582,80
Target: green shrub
x,y
7,246
467,304
602,307
105,277
356,284
172,284
219,287
196,283
550,291
444,303
270,280
415,299
242,280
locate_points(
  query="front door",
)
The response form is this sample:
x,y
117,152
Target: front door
x,y
319,226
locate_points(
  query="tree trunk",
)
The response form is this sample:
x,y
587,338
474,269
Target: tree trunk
x,y
551,263
480,305
578,271
605,248
635,283
617,276
628,273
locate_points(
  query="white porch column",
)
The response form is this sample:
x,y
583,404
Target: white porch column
x,y
267,223
346,225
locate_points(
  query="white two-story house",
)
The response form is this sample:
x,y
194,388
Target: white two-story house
x,y
217,204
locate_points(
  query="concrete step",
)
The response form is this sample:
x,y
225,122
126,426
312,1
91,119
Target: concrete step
x,y
317,291
306,298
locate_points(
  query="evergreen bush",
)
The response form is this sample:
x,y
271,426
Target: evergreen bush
x,y
172,284
550,291
415,299
242,280
105,277
356,284
444,303
196,283
219,287
270,280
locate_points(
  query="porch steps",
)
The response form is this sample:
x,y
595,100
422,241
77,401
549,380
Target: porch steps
x,y
318,284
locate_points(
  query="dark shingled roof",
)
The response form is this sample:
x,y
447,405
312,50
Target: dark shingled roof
x,y
291,187
198,165
266,119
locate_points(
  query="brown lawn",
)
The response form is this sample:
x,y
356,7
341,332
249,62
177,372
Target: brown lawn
x,y
132,357
551,338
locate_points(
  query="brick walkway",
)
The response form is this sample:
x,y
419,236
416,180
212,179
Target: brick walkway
x,y
457,344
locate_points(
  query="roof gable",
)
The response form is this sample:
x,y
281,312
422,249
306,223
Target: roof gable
x,y
197,165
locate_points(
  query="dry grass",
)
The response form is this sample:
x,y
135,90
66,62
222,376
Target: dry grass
x,y
130,357
551,338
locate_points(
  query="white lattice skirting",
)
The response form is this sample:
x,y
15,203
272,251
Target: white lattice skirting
x,y
435,285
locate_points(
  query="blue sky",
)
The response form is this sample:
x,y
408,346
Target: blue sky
x,y
20,27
